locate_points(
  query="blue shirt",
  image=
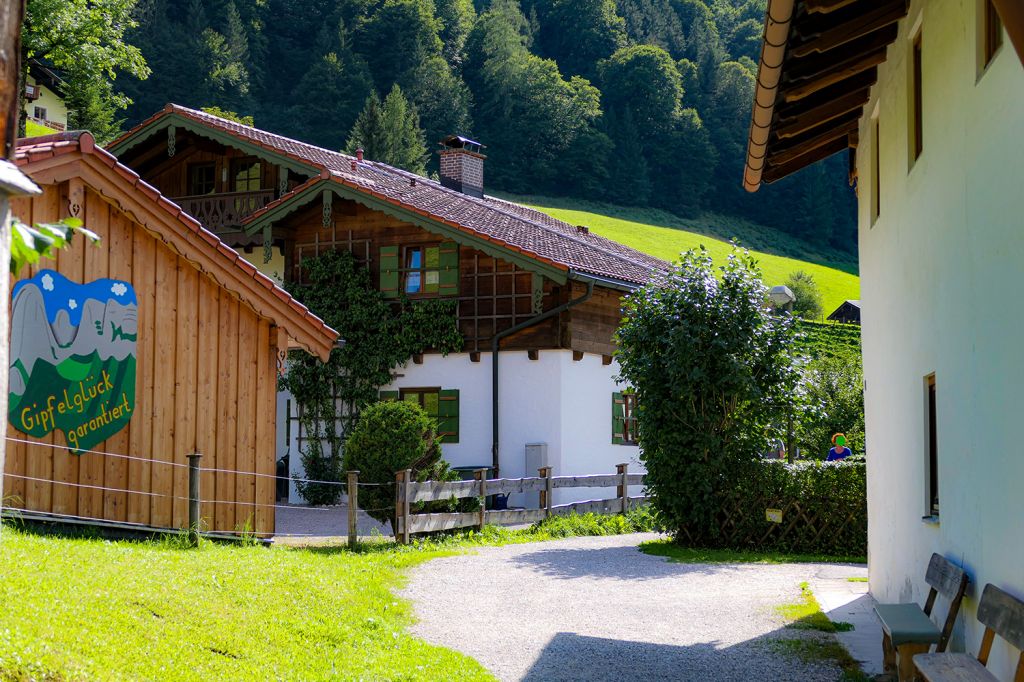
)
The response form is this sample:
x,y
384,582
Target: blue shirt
x,y
834,456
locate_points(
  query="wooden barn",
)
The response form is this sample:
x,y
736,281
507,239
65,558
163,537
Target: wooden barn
x,y
130,354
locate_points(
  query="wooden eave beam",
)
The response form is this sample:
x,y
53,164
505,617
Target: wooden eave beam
x,y
841,72
830,111
844,32
777,172
1011,13
826,6
780,157
786,111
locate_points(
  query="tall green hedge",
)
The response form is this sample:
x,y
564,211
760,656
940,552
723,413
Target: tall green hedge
x,y
824,509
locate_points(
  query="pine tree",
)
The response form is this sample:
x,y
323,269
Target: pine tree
x,y
390,132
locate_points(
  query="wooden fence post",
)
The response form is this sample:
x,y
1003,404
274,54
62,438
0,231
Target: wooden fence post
x,y
545,495
353,509
623,471
193,498
481,475
405,506
399,504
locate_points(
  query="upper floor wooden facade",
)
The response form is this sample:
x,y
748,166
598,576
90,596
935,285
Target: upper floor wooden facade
x,y
221,185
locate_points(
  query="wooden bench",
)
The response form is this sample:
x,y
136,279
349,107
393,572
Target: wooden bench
x,y
1001,615
907,629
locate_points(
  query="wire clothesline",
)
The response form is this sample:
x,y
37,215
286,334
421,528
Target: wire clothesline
x,y
217,470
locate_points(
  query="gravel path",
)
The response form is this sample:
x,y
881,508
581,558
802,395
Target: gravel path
x,y
598,609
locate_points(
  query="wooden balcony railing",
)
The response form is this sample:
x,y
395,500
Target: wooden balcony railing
x,y
220,212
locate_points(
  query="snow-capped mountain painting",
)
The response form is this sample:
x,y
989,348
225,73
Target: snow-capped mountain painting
x,y
72,363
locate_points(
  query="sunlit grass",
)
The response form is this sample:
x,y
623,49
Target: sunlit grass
x,y
665,235
96,609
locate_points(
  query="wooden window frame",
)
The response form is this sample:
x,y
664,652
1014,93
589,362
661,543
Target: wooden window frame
x,y
39,112
931,449
915,100
233,170
989,35
189,180
629,435
404,271
420,392
876,170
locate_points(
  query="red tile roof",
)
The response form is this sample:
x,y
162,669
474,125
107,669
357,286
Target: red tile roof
x,y
519,228
282,308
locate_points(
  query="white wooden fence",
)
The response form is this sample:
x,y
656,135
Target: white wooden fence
x,y
409,492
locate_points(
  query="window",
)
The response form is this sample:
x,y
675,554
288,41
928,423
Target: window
x,y
39,112
439,403
916,104
624,430
245,175
876,168
931,447
992,38
421,270
202,179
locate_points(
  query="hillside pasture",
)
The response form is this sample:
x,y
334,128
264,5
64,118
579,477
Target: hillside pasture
x,y
665,236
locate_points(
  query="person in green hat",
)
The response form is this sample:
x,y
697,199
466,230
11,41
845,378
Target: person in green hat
x,y
839,450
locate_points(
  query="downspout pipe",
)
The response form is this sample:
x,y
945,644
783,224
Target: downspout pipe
x,y
496,342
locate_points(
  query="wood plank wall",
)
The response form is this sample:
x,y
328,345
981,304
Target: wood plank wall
x,y
206,382
493,294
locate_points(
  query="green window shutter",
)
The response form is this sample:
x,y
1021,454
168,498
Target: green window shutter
x,y
389,271
389,395
448,265
448,416
618,418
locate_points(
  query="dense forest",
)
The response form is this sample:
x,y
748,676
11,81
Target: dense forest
x,y
636,102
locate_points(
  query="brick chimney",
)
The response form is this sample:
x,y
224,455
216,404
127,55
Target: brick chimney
x,y
462,165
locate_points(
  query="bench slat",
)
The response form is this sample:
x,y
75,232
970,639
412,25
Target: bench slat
x,y
1003,613
952,668
944,576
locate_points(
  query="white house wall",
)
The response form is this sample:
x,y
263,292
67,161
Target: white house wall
x,y
554,400
941,292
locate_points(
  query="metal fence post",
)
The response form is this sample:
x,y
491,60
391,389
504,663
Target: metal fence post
x,y
481,476
623,471
353,509
193,498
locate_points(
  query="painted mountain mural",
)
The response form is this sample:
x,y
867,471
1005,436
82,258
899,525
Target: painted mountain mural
x,y
72,358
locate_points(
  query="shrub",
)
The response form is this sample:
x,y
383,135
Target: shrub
x,y
808,297
320,467
391,436
711,370
833,391
824,506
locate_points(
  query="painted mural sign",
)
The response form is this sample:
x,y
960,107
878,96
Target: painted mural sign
x,y
72,358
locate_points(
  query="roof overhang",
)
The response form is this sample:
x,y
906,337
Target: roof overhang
x,y
819,60
73,155
167,118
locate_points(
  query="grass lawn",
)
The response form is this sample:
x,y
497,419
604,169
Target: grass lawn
x,y
33,129
94,609
665,235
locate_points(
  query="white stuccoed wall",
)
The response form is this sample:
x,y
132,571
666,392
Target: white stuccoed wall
x,y
554,399
941,292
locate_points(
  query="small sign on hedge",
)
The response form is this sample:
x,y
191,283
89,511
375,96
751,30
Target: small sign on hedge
x,y
773,515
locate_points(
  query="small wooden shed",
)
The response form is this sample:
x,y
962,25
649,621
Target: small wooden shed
x,y
199,342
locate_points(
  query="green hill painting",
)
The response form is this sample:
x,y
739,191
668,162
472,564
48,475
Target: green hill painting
x,y
72,358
